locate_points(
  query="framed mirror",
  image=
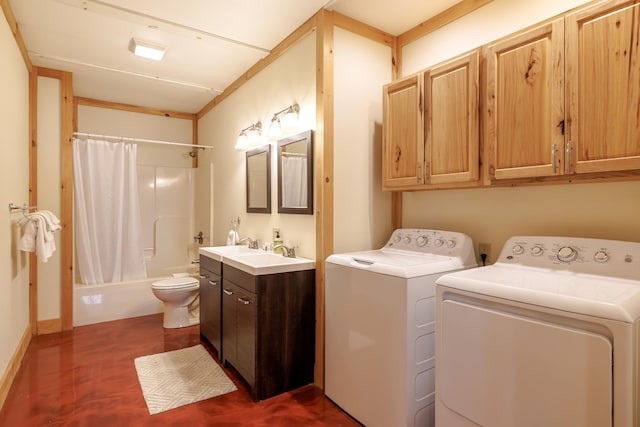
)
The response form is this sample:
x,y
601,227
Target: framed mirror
x,y
259,180
295,174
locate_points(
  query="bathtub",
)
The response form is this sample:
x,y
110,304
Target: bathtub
x,y
113,301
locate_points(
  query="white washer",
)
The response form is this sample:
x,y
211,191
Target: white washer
x,y
379,328
547,336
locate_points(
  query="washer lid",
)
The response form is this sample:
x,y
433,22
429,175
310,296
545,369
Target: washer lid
x,y
399,263
592,295
175,283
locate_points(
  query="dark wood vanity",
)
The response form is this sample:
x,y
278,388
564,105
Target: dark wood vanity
x,y
262,325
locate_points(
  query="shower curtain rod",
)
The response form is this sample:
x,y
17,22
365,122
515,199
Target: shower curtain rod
x,y
143,141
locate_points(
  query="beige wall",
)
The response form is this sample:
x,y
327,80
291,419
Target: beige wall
x,y
14,176
362,211
602,210
49,131
220,180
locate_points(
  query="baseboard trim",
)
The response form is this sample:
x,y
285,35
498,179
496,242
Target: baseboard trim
x,y
49,326
14,364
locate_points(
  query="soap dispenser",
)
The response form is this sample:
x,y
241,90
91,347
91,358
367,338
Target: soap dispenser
x,y
277,240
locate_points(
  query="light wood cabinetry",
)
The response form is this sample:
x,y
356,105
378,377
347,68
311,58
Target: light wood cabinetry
x,y
603,87
525,103
563,98
403,143
431,127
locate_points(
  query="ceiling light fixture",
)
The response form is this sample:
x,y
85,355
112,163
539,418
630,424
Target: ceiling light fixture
x,y
249,136
286,118
146,49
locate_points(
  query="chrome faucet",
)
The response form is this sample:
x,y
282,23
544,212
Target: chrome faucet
x,y
253,243
289,252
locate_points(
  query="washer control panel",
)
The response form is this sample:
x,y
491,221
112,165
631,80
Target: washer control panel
x,y
430,241
581,255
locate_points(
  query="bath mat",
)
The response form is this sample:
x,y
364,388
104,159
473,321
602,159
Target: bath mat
x,y
177,378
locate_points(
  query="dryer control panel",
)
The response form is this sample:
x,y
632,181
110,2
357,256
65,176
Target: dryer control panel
x,y
613,258
438,242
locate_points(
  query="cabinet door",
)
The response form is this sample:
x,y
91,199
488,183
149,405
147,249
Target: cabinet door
x,y
451,121
525,103
246,335
403,143
603,87
229,322
210,308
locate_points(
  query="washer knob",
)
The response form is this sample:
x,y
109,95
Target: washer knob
x,y
422,241
537,251
567,254
518,249
397,238
451,244
439,242
601,256
407,239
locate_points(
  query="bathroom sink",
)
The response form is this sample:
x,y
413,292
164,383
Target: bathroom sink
x,y
259,263
218,253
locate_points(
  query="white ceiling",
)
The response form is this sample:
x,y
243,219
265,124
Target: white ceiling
x,y
210,43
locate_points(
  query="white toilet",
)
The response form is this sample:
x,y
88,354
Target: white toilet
x,y
179,296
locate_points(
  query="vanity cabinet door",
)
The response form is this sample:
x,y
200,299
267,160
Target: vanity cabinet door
x,y
603,87
210,303
229,322
525,104
246,304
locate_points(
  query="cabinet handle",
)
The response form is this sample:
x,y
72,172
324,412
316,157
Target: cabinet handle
x,y
554,157
228,292
418,173
211,282
568,152
244,300
203,276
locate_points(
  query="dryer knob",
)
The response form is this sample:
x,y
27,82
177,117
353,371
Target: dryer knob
x,y
407,239
397,238
439,242
422,241
537,251
517,249
567,254
601,256
451,244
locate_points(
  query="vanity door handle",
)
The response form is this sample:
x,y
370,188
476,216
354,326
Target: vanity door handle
x,y
203,276
244,300
228,292
211,282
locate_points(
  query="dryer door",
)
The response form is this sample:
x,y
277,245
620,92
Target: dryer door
x,y
501,369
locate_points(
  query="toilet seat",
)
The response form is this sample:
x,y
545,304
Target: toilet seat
x,y
176,283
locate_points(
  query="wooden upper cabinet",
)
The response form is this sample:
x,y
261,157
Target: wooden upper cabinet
x,y
524,116
603,87
451,121
403,145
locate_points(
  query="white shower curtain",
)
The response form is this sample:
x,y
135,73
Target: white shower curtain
x,y
109,243
294,177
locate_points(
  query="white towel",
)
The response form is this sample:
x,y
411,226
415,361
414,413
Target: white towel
x,y
38,234
232,238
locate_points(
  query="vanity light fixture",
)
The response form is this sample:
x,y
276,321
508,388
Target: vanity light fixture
x,y
146,49
249,136
287,115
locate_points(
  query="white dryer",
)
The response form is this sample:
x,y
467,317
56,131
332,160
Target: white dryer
x,y
547,336
379,328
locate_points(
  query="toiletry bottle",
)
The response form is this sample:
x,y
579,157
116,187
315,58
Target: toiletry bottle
x,y
277,240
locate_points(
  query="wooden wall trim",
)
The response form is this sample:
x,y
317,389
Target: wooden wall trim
x,y
440,20
134,108
275,53
324,174
14,364
66,202
362,29
49,326
15,30
33,193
